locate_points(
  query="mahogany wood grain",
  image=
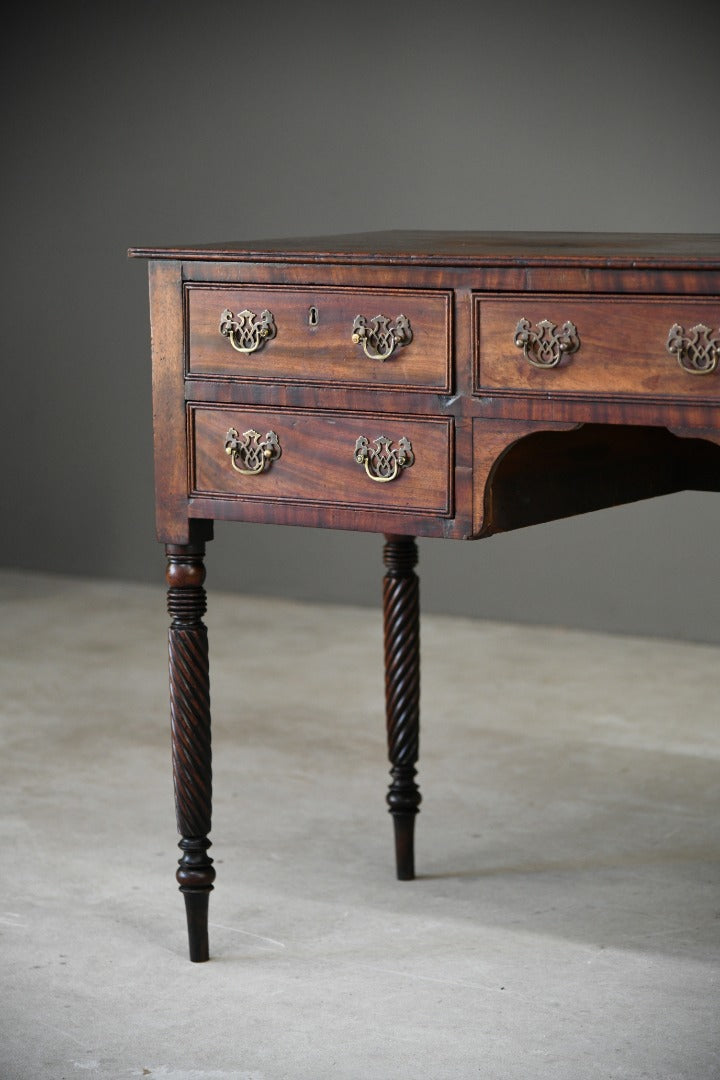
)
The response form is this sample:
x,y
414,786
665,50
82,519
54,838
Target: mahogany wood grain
x,y
622,345
317,463
467,248
328,516
520,275
173,525
320,350
491,441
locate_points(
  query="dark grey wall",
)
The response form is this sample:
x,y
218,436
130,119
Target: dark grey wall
x,y
152,123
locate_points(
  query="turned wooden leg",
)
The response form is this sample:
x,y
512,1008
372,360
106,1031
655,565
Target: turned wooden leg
x,y
402,692
190,720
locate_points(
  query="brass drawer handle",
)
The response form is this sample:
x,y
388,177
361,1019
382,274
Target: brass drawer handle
x,y
697,351
254,452
382,463
247,331
381,335
545,346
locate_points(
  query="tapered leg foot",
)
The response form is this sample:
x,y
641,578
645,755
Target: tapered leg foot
x,y
401,612
196,910
404,825
195,875
190,722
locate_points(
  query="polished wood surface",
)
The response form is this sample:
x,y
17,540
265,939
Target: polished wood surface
x,y
317,463
190,725
467,248
453,433
401,626
313,343
622,350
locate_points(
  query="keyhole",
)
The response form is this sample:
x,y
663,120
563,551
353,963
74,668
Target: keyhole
x,y
313,316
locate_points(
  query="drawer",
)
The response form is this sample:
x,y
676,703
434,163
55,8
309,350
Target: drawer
x,y
611,345
351,460
305,335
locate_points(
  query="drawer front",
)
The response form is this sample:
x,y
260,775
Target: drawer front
x,y
598,345
307,335
323,458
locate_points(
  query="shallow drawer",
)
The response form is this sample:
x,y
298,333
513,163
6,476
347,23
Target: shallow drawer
x,y
346,459
600,345
306,335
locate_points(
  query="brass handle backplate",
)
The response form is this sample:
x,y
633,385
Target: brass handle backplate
x,y
382,462
247,331
697,351
545,346
379,337
252,451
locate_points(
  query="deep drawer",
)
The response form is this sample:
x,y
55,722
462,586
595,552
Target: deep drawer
x,y
598,346
352,460
305,335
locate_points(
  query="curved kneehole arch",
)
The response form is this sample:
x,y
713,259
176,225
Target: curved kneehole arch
x,y
550,471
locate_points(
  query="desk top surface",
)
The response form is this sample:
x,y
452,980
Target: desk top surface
x,y
676,250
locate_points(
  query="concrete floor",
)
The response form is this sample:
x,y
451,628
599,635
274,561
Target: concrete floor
x,y
566,921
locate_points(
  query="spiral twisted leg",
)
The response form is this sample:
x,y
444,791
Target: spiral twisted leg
x,y
190,724
402,692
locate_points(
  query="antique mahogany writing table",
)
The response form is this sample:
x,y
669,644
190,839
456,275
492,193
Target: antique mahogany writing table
x,y
412,384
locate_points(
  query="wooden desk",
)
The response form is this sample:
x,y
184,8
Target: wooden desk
x,y
412,384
